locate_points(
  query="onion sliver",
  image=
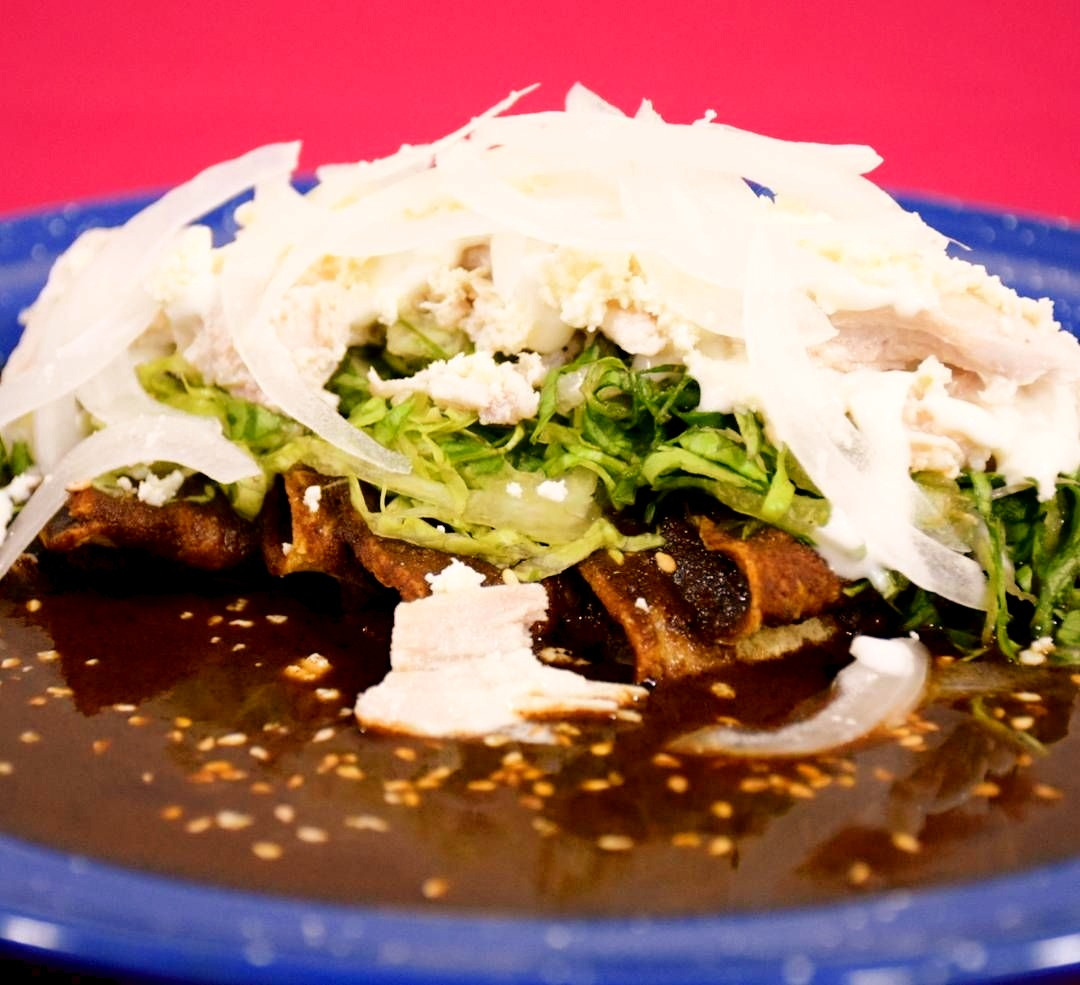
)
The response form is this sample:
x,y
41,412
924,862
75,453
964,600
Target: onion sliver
x,y
108,302
195,443
886,680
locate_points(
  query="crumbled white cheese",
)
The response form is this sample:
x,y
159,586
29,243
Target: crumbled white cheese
x,y
499,392
158,490
313,497
553,489
1036,654
457,576
286,548
15,493
514,490
641,603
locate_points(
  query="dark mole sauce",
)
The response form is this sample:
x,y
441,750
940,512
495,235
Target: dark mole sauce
x,y
186,734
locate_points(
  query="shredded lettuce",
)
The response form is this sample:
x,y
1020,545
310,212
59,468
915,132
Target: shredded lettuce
x,y
619,440
14,461
1030,550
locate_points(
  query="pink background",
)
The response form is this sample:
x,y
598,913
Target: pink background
x,y
974,100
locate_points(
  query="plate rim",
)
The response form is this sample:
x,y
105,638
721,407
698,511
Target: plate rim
x,y
52,907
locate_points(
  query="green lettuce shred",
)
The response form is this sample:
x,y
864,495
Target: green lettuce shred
x,y
619,440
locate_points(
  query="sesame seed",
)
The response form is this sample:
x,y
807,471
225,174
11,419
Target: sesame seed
x,y
182,721
172,812
6,769
33,605
237,647
666,761
138,721
720,845
309,669
198,825
366,822
268,851
348,771
912,742
1029,697
323,734
721,809
312,835
233,820
435,888
543,788
544,827
48,656
686,839
882,774
905,842
241,623
148,777
602,748
123,708
215,620
328,695
276,618
406,753
259,753
187,614
665,562
1022,722
721,689
800,790
1044,791
754,784
38,701
858,873
595,785
100,745
285,813
677,783
481,785
986,789
232,739
9,663
29,737
615,843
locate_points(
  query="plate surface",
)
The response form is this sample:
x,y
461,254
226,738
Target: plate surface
x,y
60,908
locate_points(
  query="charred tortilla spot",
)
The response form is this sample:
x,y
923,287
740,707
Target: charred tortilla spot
x,y
786,580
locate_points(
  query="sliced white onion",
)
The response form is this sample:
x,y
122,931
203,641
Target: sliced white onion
x,y
107,306
862,472
886,681
192,442
338,182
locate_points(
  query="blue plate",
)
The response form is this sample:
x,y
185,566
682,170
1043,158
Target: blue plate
x,y
63,909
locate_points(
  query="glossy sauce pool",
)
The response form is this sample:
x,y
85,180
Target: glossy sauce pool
x,y
188,735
